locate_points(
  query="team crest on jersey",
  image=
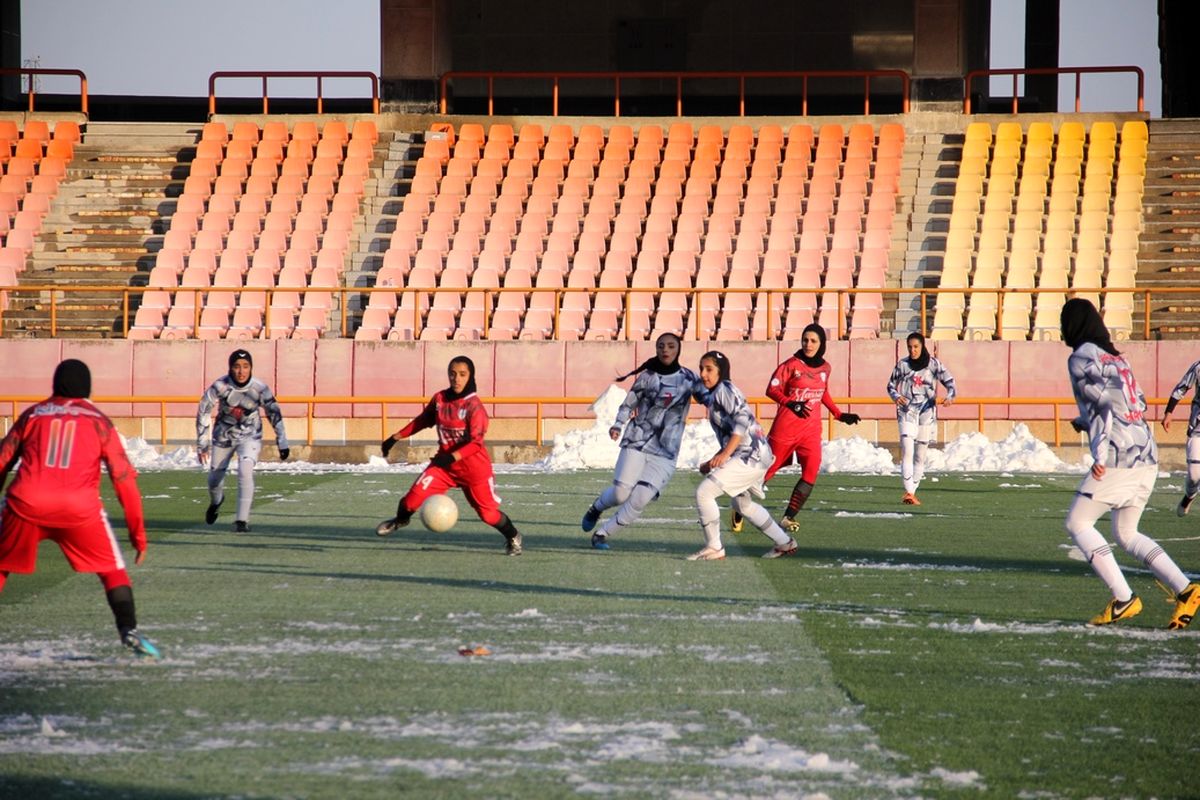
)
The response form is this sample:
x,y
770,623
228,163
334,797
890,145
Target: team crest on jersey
x,y
462,413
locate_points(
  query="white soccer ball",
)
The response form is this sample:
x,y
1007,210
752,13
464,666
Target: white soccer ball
x,y
439,513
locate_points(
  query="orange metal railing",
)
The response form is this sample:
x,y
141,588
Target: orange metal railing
x,y
32,71
319,75
16,402
1078,72
555,79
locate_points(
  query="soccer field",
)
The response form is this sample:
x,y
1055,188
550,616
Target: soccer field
x,y
937,651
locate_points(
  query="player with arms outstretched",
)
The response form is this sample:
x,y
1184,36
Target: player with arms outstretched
x,y
461,459
237,398
1191,485
738,468
913,388
61,443
1112,410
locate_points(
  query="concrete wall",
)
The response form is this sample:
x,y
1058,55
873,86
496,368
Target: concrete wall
x,y
342,368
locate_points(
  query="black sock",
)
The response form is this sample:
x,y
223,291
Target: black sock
x,y
120,600
402,515
506,527
799,496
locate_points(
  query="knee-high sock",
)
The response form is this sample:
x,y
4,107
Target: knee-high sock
x,y
1081,524
760,518
710,513
120,600
1191,484
506,527
629,512
800,493
245,487
912,461
616,494
1145,549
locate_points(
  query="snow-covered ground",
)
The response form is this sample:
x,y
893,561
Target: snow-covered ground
x,y
591,448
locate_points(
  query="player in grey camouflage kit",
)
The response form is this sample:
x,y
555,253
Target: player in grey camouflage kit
x,y
1112,410
653,416
913,388
237,398
1192,448
738,469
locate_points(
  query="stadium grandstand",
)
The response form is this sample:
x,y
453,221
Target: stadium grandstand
x,y
730,173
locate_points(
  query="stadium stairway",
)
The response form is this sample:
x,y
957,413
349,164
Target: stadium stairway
x,y
930,171
1169,254
101,227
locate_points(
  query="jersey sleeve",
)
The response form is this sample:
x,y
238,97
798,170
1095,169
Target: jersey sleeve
x,y
1186,383
946,379
274,416
426,419
893,387
10,448
827,401
777,386
124,481
625,410
204,413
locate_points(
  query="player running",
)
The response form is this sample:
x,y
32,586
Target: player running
x,y
61,443
237,398
738,468
1112,410
1192,480
800,384
461,459
655,410
913,388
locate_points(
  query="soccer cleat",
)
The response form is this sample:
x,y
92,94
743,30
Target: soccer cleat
x,y
910,499
513,547
210,514
781,550
389,526
708,554
1187,603
790,525
1185,505
599,541
1116,611
241,526
139,644
737,523
590,518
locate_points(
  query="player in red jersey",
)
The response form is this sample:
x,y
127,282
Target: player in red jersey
x,y
461,459
61,443
800,384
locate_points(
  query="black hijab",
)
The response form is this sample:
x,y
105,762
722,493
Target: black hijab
x,y
921,362
819,358
1081,323
233,358
722,362
654,365
450,394
72,378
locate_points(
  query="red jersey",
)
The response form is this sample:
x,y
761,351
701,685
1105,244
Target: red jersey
x,y
61,443
461,424
794,380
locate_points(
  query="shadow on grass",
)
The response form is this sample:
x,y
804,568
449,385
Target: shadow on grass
x,y
68,788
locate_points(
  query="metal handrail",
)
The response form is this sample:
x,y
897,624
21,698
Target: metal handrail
x,y
696,294
320,75
679,77
1078,72
23,71
540,401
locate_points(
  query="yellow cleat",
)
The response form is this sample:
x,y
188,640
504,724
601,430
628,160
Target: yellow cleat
x,y
1117,611
1187,603
790,525
737,523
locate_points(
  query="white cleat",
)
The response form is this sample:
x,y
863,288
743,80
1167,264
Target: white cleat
x,y
708,554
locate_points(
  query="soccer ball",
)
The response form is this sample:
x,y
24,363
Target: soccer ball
x,y
439,513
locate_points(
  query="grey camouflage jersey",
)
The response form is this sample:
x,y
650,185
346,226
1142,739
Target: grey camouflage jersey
x,y
1111,407
919,386
661,402
730,414
1186,383
237,414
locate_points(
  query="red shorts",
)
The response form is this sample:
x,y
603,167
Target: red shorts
x,y
473,475
806,449
88,548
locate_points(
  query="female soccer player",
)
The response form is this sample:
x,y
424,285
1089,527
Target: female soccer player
x,y
461,459
61,443
1192,482
913,388
237,397
1112,410
798,385
655,410
738,468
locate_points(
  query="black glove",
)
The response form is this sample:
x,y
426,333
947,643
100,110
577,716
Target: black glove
x,y
849,418
284,452
442,459
1078,426
799,408
386,446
